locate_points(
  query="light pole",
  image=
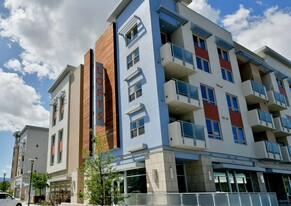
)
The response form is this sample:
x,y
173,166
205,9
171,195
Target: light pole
x,y
4,177
31,171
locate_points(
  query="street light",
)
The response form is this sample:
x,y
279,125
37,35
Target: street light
x,y
31,171
4,177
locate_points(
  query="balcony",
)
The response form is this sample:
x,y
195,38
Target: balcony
x,y
254,92
260,120
177,61
277,101
268,150
181,97
286,153
187,135
283,127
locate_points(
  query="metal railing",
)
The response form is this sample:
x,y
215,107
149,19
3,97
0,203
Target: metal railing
x,y
192,130
280,97
272,148
265,116
286,123
203,199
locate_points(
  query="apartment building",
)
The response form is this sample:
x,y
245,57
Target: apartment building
x,y
30,143
64,142
184,108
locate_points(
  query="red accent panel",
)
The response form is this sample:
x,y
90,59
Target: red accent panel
x,y
235,118
211,111
282,91
225,64
53,150
60,146
201,53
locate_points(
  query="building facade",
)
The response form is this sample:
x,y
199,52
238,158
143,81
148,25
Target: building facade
x,y
184,108
64,139
30,143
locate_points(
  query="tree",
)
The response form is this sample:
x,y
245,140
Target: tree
x,y
100,177
4,186
39,181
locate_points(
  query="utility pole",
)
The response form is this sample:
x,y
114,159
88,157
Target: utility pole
x,y
31,171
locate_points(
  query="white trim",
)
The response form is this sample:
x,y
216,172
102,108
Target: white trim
x,y
134,109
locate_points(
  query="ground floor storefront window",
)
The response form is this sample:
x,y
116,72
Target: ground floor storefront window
x,y
133,181
60,191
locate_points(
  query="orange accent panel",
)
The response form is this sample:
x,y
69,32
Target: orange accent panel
x,y
225,64
211,111
60,146
201,53
53,150
236,119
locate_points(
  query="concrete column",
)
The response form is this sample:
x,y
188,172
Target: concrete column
x,y
200,175
261,182
228,181
76,186
161,172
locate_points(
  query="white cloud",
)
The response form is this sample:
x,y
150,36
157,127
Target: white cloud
x,y
54,33
20,104
13,64
202,7
272,29
259,2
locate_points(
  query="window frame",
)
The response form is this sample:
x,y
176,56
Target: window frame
x,y
202,63
223,54
53,140
55,113
135,91
214,125
207,90
133,58
236,135
130,36
199,40
226,73
138,128
60,139
231,102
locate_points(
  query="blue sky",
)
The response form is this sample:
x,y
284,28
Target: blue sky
x,y
38,38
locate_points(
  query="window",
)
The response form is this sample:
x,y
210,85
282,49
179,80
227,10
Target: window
x,y
207,94
54,114
232,102
203,64
165,38
53,149
135,91
199,42
226,75
131,35
62,107
133,58
60,146
222,54
238,135
213,129
137,128
280,83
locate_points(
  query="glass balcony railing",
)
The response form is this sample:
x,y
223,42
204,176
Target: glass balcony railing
x,y
280,97
272,147
186,89
286,123
182,54
192,130
289,150
265,116
258,88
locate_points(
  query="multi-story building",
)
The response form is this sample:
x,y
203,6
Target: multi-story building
x,y
64,145
31,143
183,107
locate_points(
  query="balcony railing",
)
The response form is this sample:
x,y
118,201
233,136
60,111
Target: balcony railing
x,y
277,101
283,126
260,120
181,97
221,198
186,135
268,150
177,61
254,92
265,116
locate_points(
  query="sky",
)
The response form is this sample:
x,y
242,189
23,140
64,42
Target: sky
x,y
38,38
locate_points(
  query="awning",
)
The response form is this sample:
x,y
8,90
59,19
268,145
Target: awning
x,y
269,170
62,178
238,167
223,44
200,31
130,166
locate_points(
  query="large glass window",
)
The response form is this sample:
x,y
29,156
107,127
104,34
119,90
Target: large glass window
x,y
136,181
207,94
222,54
203,64
131,35
62,107
137,128
135,91
55,106
60,152
53,149
133,58
213,129
232,102
199,42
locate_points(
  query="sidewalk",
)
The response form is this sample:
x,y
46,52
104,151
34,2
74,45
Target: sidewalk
x,y
25,204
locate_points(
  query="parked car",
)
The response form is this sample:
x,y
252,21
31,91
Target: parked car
x,y
8,200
